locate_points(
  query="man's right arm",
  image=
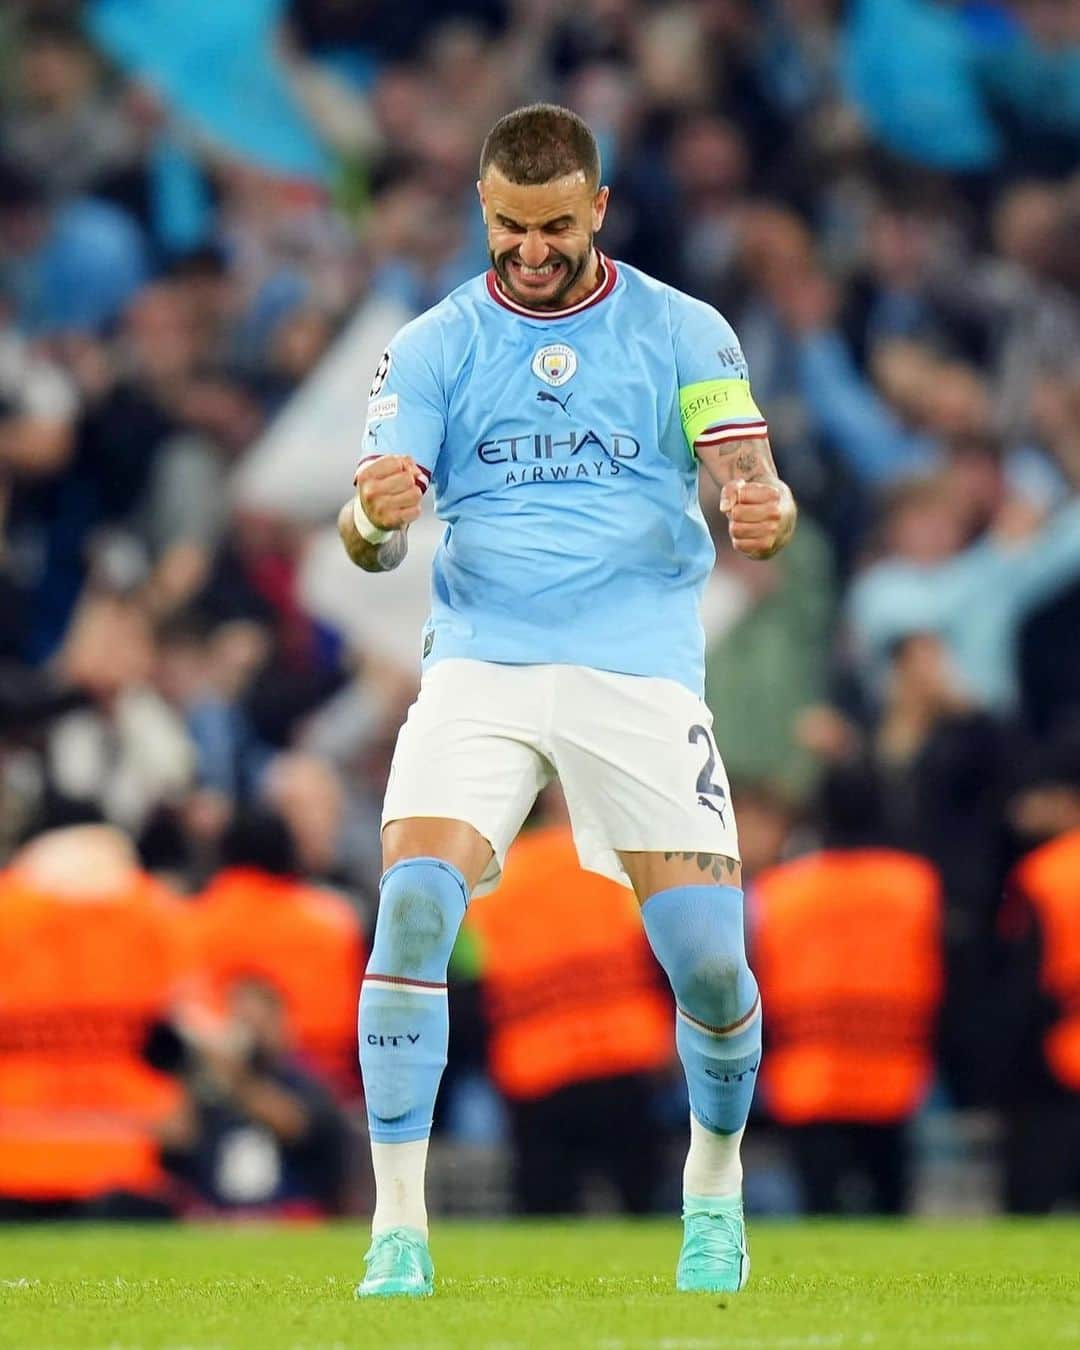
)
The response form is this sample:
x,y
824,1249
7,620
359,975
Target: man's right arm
x,y
388,494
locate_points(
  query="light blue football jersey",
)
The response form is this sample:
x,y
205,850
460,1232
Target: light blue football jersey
x,y
560,450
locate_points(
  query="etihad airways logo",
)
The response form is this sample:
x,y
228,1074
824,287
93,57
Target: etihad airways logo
x,y
537,457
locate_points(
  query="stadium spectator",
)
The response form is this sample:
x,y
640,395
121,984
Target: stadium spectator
x,y
973,597
63,127
68,266
39,405
91,952
578,1024
848,945
1037,1018
931,776
257,918
886,295
204,670
331,825
1018,303
709,168
147,474
1030,86
255,1130
124,749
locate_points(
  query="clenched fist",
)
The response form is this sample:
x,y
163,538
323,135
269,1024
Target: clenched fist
x,y
389,491
760,516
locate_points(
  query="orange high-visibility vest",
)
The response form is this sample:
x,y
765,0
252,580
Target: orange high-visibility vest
x,y
1050,879
569,984
80,982
304,941
847,952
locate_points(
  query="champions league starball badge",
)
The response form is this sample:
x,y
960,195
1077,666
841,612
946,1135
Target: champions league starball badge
x,y
379,378
555,364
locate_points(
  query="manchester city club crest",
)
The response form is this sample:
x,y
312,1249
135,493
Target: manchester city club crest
x,y
555,364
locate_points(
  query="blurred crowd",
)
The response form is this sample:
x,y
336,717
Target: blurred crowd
x,y
882,196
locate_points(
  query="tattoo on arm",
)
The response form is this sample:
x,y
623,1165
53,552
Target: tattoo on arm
x,y
752,460
382,557
713,863
748,465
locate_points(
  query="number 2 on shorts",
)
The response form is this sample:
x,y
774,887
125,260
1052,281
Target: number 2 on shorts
x,y
705,784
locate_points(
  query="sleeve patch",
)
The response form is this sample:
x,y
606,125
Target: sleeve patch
x,y
718,405
379,378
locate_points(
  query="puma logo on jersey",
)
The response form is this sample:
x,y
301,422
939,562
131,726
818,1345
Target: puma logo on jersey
x,y
542,396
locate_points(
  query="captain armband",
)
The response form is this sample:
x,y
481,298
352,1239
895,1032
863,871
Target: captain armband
x,y
715,411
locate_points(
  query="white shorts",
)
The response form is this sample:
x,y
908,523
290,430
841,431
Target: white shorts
x,y
635,756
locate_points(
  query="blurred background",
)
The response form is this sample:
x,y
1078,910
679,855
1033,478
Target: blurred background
x,y
213,216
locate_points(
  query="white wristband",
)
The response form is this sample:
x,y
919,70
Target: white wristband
x,y
374,534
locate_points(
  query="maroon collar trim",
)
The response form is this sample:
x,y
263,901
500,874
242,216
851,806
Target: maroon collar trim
x,y
608,277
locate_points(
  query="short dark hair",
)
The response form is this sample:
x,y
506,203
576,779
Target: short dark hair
x,y
535,144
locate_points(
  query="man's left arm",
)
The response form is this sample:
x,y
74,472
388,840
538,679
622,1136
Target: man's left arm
x,y
759,506
725,431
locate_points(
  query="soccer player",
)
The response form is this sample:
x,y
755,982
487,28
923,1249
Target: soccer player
x,y
561,405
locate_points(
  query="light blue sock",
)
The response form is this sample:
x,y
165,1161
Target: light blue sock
x,y
404,1024
696,933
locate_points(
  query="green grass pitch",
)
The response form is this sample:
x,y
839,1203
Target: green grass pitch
x,y
500,1286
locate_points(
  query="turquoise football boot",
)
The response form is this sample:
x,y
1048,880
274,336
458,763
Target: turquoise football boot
x,y
398,1264
714,1258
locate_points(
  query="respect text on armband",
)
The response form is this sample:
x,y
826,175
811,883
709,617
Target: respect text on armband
x,y
706,402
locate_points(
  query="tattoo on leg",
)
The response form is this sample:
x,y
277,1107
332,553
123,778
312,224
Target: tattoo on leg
x,y
713,863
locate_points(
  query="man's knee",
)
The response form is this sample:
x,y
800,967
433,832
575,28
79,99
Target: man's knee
x,y
697,934
421,904
715,986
